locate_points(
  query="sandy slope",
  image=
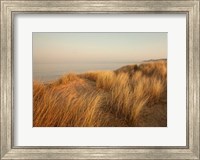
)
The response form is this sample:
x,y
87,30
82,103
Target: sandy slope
x,y
134,95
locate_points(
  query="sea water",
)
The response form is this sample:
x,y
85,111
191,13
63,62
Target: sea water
x,y
48,72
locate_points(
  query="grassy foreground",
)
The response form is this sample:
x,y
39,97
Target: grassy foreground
x,y
132,96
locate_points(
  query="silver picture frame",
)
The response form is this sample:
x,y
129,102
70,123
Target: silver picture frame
x,y
9,8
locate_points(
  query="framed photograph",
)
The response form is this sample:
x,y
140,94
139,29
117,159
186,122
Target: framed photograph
x,y
100,79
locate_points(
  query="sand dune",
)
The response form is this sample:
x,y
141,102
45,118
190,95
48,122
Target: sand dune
x,y
131,96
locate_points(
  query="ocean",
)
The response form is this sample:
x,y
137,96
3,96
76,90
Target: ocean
x,y
48,72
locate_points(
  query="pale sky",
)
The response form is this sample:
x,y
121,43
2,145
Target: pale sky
x,y
55,54
98,47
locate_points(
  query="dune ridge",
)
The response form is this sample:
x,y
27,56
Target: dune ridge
x,y
131,96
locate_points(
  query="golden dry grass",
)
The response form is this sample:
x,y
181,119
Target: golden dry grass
x,y
134,95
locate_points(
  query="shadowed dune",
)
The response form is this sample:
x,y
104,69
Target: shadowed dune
x,y
134,96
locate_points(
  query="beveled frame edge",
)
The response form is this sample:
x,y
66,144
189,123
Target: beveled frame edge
x,y
151,6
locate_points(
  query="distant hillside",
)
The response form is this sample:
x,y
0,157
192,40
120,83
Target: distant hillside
x,y
131,96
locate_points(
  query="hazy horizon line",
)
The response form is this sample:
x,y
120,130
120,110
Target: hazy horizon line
x,y
104,61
